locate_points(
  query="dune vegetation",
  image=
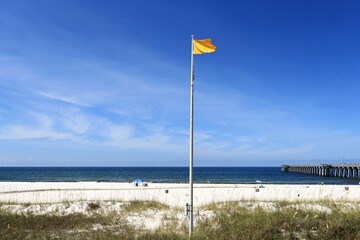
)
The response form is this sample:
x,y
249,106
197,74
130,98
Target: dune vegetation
x,y
151,220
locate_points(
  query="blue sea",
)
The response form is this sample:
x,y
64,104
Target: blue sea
x,y
235,175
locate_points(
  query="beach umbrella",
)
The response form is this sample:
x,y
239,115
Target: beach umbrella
x,y
138,181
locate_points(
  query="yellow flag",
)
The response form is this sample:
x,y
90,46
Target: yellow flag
x,y
203,46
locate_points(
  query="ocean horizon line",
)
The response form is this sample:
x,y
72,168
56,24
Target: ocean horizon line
x,y
138,166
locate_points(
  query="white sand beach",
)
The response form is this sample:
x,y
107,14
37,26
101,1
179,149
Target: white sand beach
x,y
174,195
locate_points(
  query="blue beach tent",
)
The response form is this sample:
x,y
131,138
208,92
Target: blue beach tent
x,y
138,181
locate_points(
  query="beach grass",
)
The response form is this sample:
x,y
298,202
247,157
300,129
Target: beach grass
x,y
288,222
231,220
139,206
23,226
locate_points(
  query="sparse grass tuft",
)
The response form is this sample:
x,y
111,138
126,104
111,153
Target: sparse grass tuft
x,y
93,206
282,204
140,206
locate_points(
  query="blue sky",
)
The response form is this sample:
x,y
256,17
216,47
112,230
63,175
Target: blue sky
x,y
106,83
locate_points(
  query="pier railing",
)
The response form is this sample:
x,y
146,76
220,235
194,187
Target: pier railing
x,y
326,170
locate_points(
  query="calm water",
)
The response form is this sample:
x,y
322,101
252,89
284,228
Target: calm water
x,y
164,174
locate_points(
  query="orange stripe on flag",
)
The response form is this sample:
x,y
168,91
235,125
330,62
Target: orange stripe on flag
x,y
203,46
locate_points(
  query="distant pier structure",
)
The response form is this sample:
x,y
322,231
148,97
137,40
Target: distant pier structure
x,y
326,170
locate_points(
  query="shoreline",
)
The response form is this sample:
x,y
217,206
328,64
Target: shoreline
x,y
350,182
172,194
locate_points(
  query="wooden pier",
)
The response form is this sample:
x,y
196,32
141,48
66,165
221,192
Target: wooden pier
x,y
326,170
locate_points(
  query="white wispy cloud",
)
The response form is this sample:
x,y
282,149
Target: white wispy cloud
x,y
20,132
35,125
76,122
128,137
67,99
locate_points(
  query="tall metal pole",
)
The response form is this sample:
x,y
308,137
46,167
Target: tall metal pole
x,y
191,221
